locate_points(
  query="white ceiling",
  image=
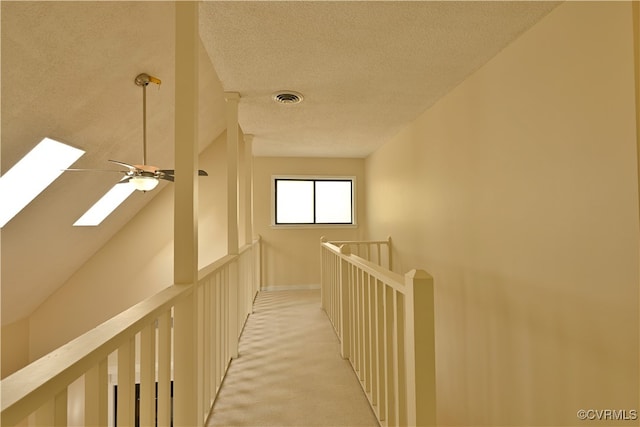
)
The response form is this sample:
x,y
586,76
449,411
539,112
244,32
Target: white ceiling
x,y
365,70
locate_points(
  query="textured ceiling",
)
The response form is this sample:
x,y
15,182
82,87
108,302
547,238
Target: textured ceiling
x,y
364,68
68,72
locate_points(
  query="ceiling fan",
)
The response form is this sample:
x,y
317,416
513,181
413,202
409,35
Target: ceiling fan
x,y
143,177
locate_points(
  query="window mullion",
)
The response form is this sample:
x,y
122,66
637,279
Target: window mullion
x,y
314,201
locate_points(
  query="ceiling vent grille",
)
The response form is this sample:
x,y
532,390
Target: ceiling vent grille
x,y
287,97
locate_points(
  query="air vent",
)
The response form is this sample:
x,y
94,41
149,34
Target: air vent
x,y
287,97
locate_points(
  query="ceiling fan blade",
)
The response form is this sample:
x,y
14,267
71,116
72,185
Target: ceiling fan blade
x,y
93,170
173,172
167,177
124,180
126,165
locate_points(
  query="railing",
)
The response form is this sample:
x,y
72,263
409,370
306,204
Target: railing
x,y
184,328
385,323
377,251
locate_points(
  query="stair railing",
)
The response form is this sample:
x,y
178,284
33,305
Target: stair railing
x,y
385,323
213,310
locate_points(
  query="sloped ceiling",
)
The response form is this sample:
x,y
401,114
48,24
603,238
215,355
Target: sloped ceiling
x,y
365,70
68,71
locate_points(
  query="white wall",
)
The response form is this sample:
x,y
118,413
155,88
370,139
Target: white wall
x,y
212,202
518,193
15,336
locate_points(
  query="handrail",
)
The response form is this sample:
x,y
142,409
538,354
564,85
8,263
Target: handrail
x,y
205,271
392,279
378,251
357,242
218,305
28,388
385,323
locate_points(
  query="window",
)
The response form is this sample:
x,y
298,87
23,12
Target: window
x,y
300,200
32,174
107,204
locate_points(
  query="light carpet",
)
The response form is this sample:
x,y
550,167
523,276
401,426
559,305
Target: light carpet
x,y
290,372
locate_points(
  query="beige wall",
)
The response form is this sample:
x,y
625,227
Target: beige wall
x,y
212,202
518,193
636,49
135,264
291,255
15,336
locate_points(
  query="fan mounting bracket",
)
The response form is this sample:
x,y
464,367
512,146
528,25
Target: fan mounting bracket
x,y
144,79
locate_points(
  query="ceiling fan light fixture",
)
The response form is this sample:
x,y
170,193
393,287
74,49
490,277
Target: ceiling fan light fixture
x,y
144,183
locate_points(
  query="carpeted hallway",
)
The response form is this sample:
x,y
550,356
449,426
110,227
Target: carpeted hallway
x,y
290,372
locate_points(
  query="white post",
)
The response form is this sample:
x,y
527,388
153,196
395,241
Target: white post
x,y
323,277
95,401
380,325
148,375
390,369
126,383
241,186
248,191
185,399
420,349
203,405
345,324
186,210
233,98
164,369
54,412
234,282
258,264
186,144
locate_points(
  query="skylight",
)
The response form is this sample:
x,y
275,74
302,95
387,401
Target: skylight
x,y
107,204
32,174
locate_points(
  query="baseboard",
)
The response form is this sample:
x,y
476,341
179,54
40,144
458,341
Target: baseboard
x,y
289,288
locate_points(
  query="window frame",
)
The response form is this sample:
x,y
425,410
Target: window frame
x,y
314,179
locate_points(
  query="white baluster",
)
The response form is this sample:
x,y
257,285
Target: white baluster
x,y
126,383
95,395
164,369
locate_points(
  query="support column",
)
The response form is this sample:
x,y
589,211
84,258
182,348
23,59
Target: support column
x,y
185,213
232,98
248,190
419,351
186,147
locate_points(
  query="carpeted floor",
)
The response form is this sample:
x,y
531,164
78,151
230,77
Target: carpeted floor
x,y
290,372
